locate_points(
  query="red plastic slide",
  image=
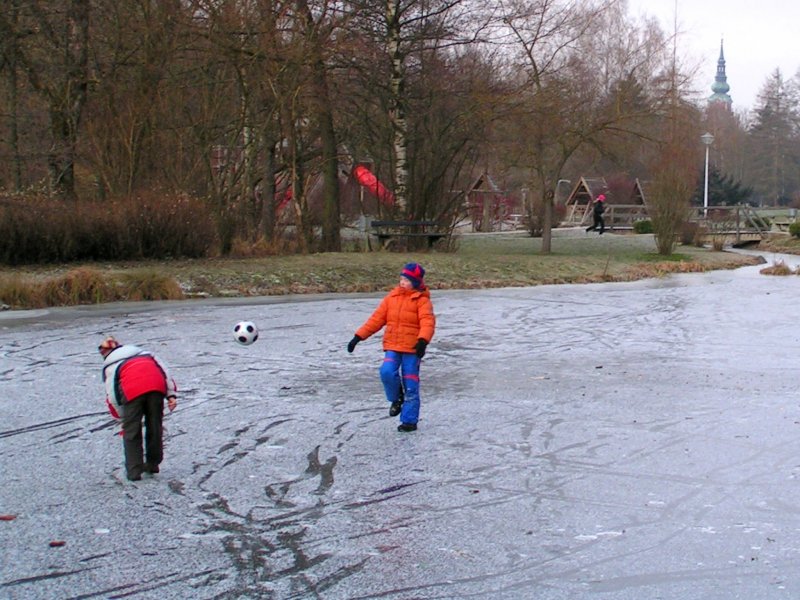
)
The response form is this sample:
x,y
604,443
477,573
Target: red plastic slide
x,y
366,178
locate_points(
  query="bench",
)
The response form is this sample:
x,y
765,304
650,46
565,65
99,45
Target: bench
x,y
386,231
781,225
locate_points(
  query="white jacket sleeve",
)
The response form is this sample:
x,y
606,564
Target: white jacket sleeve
x,y
172,388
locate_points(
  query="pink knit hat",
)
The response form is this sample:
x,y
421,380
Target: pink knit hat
x,y
108,344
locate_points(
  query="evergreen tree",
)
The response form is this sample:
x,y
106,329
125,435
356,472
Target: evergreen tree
x,y
723,190
774,139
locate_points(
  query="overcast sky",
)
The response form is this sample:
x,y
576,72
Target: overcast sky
x,y
759,36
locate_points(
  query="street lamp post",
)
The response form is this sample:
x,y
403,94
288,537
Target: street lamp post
x,y
558,187
707,139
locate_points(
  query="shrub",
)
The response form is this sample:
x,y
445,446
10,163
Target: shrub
x,y
148,284
40,229
699,237
643,226
78,286
87,286
777,268
16,292
794,229
689,232
168,225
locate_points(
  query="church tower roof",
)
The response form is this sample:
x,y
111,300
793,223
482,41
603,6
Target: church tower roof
x,y
720,86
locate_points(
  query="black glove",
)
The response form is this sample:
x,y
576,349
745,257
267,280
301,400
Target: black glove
x,y
420,347
351,345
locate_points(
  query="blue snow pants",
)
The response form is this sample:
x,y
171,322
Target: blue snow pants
x,y
402,368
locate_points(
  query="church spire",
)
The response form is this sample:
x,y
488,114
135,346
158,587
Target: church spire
x,y
720,86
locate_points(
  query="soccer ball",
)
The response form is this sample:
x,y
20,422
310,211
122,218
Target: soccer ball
x,y
245,332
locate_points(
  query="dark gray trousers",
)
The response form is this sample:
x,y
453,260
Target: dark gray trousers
x,y
150,407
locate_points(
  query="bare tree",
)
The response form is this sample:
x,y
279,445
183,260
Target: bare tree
x,y
409,28
134,48
9,65
674,175
317,34
673,164
246,69
51,48
573,93
456,98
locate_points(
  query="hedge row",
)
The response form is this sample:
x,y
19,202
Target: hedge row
x,y
46,230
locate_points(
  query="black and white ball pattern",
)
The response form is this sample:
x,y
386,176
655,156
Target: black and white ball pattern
x,y
245,332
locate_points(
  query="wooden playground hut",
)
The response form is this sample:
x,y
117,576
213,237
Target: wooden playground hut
x,y
489,207
624,204
579,202
627,203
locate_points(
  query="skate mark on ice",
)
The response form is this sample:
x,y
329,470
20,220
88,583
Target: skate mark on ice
x,y
54,575
47,425
386,494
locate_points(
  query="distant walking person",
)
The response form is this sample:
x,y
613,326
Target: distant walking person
x,y
597,215
136,383
407,313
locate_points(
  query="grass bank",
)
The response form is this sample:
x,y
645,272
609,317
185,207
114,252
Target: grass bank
x,y
481,261
782,245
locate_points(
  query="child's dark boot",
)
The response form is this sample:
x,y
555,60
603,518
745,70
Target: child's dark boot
x,y
397,405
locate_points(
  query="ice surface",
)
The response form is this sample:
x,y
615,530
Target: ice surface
x,y
617,441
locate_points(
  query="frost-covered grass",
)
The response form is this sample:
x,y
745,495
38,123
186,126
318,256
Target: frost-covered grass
x,y
479,261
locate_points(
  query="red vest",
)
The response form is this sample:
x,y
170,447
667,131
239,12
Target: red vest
x,y
139,375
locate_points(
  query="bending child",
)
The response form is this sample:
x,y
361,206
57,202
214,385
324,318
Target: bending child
x,y
136,383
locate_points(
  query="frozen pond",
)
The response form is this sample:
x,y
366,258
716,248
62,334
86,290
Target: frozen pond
x,y
625,441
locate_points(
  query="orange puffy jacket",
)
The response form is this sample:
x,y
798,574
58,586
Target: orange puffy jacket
x,y
407,315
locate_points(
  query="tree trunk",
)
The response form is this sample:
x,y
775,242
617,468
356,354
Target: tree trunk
x,y
61,157
547,224
397,112
68,99
331,225
303,228
268,203
14,103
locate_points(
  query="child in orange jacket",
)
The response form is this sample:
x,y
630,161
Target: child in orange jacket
x,y
407,314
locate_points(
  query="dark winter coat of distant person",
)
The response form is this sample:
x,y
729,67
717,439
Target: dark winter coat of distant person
x,y
597,215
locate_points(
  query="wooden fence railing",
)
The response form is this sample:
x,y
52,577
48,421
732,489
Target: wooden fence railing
x,y
738,221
